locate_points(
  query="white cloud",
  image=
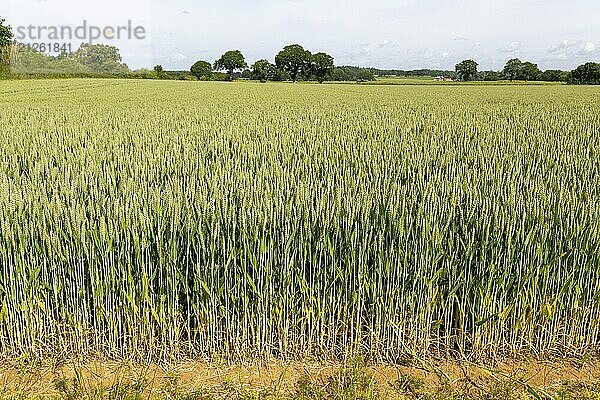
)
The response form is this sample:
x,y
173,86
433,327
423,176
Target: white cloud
x,y
563,45
428,55
589,47
560,56
179,57
512,47
570,49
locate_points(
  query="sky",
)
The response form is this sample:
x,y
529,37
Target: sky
x,y
400,34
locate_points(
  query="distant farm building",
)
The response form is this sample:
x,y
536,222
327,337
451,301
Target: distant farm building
x,y
443,79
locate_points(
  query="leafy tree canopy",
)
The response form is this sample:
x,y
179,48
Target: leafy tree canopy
x,y
512,69
159,72
349,73
100,58
491,76
263,70
6,34
201,69
529,72
586,74
466,70
294,60
231,61
525,71
322,66
554,75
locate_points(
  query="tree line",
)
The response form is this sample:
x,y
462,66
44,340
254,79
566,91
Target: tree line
x,y
517,70
293,63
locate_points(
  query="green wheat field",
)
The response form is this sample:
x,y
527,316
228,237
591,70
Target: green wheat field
x,y
163,220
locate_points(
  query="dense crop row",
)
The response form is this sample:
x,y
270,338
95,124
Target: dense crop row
x,y
168,219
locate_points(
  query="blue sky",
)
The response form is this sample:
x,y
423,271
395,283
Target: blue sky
x,y
404,34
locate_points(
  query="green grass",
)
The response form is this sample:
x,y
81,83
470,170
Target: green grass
x,y
168,219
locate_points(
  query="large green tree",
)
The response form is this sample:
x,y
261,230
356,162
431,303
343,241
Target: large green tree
x,y
231,61
530,72
263,70
515,69
322,65
586,74
466,70
201,69
294,60
512,69
101,58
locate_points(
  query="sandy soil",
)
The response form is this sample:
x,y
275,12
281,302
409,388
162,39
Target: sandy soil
x,y
274,377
